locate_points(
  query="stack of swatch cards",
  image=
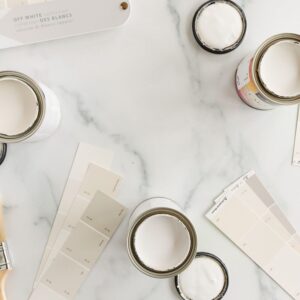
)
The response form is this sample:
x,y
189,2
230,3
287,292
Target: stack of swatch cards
x,y
86,219
247,214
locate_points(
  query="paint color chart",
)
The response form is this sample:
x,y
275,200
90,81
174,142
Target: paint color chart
x,y
96,179
247,214
85,155
88,218
82,248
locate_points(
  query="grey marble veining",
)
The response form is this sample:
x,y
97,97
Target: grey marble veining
x,y
170,113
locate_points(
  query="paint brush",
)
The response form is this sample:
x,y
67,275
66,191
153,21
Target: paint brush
x,y
5,263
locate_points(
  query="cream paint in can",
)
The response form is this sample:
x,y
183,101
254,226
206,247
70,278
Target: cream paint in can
x,y
252,82
41,113
219,26
205,279
162,241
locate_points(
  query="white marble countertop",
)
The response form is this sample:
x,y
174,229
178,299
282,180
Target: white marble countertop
x,y
170,113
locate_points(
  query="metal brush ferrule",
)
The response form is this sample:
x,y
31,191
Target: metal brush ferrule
x,y
5,262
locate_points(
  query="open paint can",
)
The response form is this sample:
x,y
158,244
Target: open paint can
x,y
162,241
271,77
205,279
29,111
219,26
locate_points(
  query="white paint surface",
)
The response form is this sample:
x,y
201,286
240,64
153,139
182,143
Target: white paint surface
x,y
219,26
280,69
162,242
18,106
202,280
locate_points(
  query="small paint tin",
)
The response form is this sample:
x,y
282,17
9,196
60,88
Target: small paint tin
x,y
250,85
216,22
220,293
152,210
48,110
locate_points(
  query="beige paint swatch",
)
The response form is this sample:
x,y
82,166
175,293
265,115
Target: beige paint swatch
x,y
80,251
85,155
95,179
248,215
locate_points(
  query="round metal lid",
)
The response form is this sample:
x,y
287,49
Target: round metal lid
x,y
226,49
3,151
180,288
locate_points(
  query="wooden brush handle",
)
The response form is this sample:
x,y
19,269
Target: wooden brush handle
x,y
3,275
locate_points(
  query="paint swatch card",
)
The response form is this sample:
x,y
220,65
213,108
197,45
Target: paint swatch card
x,y
24,22
85,155
64,276
93,241
296,156
82,248
249,216
95,179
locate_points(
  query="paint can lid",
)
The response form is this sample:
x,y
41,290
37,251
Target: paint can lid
x,y
219,26
206,279
3,151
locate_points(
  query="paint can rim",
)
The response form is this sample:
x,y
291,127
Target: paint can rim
x,y
272,98
226,49
222,266
162,211
40,96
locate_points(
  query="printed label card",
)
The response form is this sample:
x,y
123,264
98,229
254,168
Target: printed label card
x,y
249,216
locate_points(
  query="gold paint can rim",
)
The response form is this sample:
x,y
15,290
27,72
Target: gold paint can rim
x,y
178,269
272,98
40,96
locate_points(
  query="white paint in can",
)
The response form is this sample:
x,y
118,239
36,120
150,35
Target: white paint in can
x,y
279,69
30,111
18,106
271,77
162,242
203,280
219,25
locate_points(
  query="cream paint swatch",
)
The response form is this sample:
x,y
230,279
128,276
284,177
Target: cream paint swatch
x,y
80,251
296,155
96,179
248,215
85,155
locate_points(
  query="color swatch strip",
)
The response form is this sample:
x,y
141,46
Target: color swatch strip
x,y
247,214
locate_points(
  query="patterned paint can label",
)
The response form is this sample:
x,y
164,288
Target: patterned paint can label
x,y
246,87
